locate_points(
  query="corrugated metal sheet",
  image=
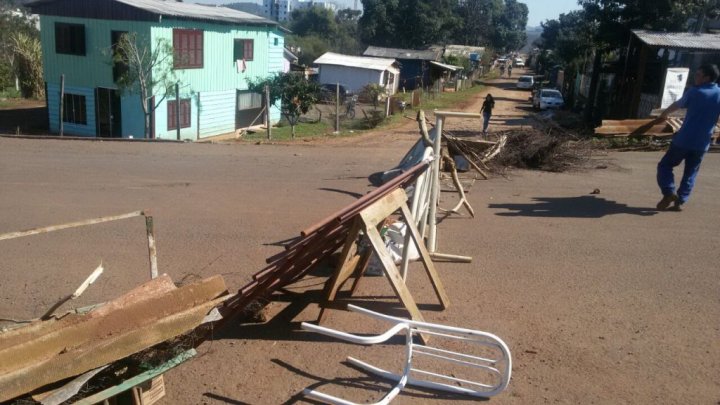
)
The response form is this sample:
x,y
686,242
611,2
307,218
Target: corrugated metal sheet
x,y
363,62
397,53
462,50
444,66
682,40
159,8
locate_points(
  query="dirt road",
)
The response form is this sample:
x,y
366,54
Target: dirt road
x,y
600,298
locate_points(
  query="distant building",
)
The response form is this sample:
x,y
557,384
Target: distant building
x,y
215,51
415,66
355,72
280,10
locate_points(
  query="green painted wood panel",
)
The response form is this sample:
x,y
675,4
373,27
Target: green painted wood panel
x,y
95,68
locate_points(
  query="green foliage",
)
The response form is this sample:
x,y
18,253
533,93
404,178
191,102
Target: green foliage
x,y
316,31
458,61
296,94
14,21
410,24
28,64
373,92
510,27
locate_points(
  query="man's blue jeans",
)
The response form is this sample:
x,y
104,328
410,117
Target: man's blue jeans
x,y
486,120
665,177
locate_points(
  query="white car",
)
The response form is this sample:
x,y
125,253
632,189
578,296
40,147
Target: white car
x,y
525,82
548,98
519,62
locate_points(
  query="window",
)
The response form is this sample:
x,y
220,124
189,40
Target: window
x,y
74,111
247,100
243,49
184,114
187,49
276,42
70,39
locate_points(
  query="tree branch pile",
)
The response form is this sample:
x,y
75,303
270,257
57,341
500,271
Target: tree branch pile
x,y
542,149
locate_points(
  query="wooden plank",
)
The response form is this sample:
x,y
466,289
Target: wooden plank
x,y
138,379
456,114
392,273
382,209
104,336
35,231
345,267
425,257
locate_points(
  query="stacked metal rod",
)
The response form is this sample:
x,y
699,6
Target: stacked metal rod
x,y
314,244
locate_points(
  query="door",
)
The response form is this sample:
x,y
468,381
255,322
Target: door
x,y
108,118
249,106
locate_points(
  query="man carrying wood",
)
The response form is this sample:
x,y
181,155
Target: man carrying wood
x,y
692,140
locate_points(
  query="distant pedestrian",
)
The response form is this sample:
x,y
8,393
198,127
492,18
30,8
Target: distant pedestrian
x,y
509,70
502,70
486,111
692,140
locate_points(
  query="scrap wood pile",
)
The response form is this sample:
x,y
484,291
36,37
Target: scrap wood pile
x,y
548,150
639,127
305,252
40,361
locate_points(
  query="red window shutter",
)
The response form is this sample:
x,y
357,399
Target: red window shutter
x,y
248,49
171,115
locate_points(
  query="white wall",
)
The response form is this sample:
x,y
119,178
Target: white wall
x,y
351,77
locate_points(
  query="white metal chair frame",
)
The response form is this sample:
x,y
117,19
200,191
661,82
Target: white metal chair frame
x,y
500,368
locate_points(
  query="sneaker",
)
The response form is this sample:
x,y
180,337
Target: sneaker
x,y
677,207
666,201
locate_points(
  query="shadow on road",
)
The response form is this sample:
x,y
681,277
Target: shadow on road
x,y
570,207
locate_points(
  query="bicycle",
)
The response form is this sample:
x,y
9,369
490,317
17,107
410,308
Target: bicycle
x,y
350,107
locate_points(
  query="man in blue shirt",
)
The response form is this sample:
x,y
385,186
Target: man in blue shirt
x,y
692,140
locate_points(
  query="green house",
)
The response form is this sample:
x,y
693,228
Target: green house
x,y
215,50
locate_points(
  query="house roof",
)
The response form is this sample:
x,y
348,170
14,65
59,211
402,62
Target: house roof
x,y
462,50
684,40
397,53
290,56
444,66
363,62
182,10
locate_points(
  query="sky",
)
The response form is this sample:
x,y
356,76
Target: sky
x,y
540,10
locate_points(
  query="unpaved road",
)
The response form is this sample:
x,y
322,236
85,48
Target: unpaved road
x,y
600,298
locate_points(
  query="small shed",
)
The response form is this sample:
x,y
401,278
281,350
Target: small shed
x,y
414,64
649,56
355,72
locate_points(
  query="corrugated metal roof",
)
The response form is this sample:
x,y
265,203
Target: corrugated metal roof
x,y
444,66
683,40
182,10
401,53
462,50
364,62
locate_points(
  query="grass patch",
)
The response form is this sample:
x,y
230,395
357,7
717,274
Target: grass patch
x,y
324,128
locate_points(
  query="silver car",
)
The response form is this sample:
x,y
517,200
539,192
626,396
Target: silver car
x,y
548,98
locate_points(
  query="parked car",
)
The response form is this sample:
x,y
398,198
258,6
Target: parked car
x,y
519,62
525,82
328,92
548,98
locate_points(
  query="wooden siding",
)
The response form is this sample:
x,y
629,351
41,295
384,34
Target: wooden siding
x,y
161,119
275,65
217,112
219,71
95,68
53,100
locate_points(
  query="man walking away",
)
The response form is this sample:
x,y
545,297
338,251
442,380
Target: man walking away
x,y
692,140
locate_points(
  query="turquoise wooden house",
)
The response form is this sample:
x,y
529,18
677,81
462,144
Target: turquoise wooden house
x,y
215,51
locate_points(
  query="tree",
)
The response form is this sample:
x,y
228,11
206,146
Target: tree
x,y
148,71
477,21
510,28
29,68
373,92
14,20
317,30
296,94
410,24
